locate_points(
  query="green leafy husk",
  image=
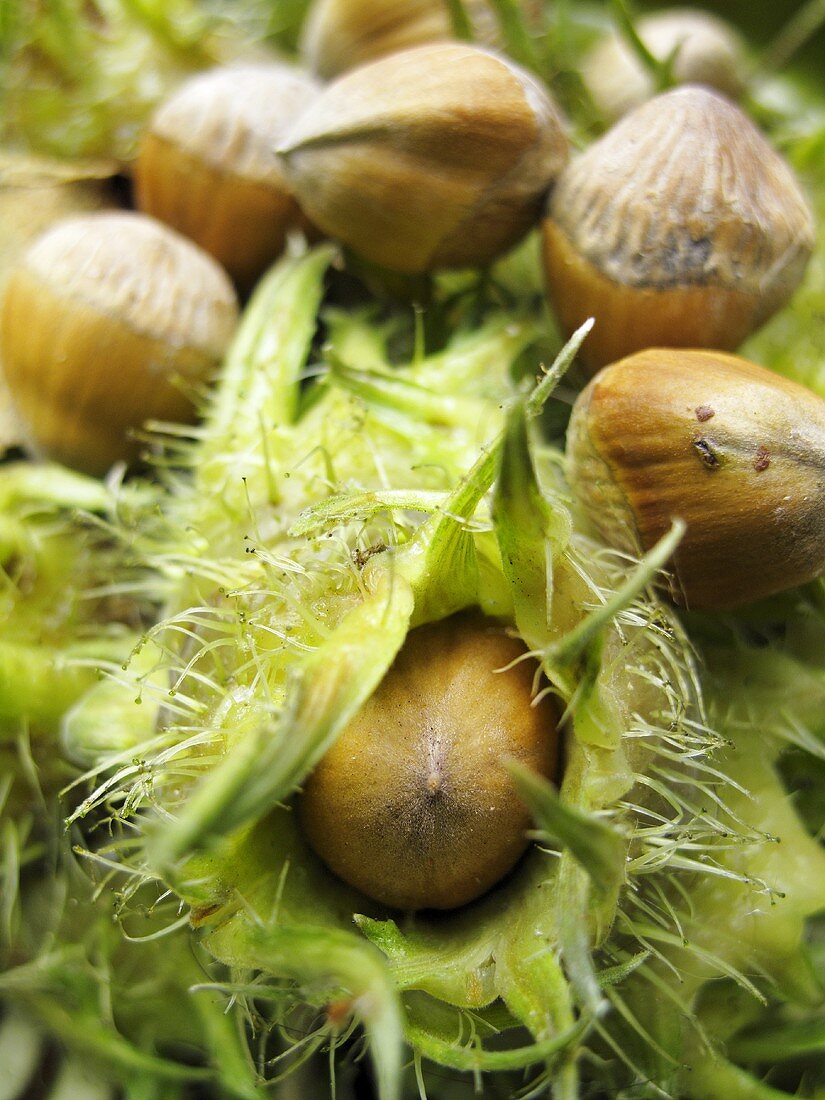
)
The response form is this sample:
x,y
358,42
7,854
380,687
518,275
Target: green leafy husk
x,y
201,639
295,539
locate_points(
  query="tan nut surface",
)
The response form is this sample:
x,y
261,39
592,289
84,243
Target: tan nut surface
x,y
734,450
439,156
109,320
207,164
342,34
703,48
412,805
681,227
35,192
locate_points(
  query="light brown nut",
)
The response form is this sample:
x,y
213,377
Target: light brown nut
x,y
734,450
109,320
413,804
439,156
681,227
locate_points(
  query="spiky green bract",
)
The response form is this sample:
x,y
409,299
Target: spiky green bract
x,y
80,78
70,605
324,693
599,848
60,625
332,968
121,1006
322,510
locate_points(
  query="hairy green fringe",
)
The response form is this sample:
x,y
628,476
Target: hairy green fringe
x,y
330,501
295,540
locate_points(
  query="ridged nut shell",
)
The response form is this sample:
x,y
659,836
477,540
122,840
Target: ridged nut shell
x,y
734,450
34,193
435,157
109,320
207,164
681,227
705,50
413,804
343,34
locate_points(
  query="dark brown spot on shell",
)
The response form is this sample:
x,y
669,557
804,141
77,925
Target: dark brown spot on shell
x,y
704,412
762,459
706,449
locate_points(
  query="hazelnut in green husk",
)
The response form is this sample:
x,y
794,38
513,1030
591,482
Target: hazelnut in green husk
x,y
413,804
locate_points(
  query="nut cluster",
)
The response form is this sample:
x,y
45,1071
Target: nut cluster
x,y
681,229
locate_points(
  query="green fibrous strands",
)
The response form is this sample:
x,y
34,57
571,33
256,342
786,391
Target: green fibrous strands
x,y
331,501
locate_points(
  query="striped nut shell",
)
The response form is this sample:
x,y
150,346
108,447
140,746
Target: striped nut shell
x,y
733,449
342,34
109,320
207,164
681,227
703,49
439,156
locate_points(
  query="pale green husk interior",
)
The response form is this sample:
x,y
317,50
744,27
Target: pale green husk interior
x,y
293,541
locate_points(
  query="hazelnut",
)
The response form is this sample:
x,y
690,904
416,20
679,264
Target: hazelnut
x,y
733,449
439,156
207,164
107,320
342,34
681,227
704,49
413,804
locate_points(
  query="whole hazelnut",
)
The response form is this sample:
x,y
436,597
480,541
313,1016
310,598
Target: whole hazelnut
x,y
109,320
207,164
413,804
439,156
681,227
733,449
704,50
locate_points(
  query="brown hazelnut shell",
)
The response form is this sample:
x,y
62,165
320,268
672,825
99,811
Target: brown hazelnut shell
x,y
207,164
439,156
731,448
704,50
412,804
109,320
680,227
342,34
